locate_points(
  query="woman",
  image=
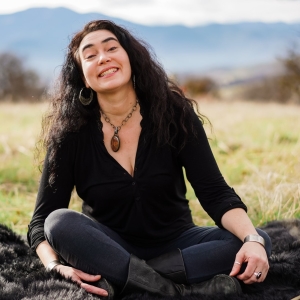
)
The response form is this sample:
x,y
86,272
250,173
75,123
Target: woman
x,y
121,132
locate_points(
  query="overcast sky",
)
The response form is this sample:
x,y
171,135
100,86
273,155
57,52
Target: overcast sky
x,y
165,12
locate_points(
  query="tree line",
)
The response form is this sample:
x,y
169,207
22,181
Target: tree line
x,y
17,81
20,83
283,88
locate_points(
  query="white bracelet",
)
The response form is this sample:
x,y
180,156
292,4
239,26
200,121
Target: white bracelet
x,y
255,238
52,264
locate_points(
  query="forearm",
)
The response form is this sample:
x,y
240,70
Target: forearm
x,y
46,253
237,222
253,254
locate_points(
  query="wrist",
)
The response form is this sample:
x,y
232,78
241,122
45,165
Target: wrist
x,y
52,264
255,238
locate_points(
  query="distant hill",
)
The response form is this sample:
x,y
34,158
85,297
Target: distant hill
x,y
41,35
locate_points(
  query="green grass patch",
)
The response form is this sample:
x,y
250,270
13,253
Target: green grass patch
x,y
257,148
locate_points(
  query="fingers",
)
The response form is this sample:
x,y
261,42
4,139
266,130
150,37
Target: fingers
x,y
88,287
256,270
239,259
258,275
79,276
93,289
85,276
257,263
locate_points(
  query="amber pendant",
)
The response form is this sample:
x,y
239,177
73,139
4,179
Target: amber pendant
x,y
115,142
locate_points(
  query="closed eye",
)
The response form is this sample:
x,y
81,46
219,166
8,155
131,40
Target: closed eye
x,y
112,48
90,56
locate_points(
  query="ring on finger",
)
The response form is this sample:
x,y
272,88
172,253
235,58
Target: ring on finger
x,y
236,262
257,274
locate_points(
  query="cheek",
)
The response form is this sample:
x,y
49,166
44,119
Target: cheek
x,y
126,61
87,78
128,66
87,71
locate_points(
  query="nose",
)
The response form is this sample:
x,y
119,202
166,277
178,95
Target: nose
x,y
103,58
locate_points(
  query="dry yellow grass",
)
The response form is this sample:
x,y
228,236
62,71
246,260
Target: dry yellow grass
x,y
257,147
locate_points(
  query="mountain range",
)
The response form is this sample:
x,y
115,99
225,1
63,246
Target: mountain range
x,y
41,35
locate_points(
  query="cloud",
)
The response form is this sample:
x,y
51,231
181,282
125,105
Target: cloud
x,y
165,12
193,12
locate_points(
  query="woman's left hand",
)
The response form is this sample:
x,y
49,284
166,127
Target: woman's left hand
x,y
255,256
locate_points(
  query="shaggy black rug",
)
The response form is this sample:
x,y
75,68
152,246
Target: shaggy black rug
x,y
22,276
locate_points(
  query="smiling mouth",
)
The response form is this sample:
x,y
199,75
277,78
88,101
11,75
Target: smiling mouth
x,y
109,71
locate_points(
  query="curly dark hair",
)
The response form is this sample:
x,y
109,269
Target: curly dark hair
x,y
160,97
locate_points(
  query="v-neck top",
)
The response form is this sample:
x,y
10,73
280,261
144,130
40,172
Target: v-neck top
x,y
147,208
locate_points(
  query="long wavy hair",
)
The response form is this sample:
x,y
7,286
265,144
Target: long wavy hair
x,y
160,97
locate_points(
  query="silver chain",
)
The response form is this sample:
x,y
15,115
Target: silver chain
x,y
117,128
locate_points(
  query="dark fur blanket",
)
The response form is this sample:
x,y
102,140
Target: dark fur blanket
x,y
22,276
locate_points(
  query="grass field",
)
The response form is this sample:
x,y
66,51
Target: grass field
x,y
257,147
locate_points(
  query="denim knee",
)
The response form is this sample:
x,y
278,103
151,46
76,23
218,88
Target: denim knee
x,y
58,223
268,243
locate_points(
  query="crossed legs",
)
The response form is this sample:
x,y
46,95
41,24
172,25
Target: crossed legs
x,y
95,249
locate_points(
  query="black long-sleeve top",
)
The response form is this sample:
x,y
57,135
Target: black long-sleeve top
x,y
148,207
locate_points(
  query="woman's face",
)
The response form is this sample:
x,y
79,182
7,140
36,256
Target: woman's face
x,y
105,63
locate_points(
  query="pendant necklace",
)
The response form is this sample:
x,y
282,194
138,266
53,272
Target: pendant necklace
x,y
115,141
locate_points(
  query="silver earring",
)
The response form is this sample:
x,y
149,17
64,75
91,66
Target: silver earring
x,y
85,101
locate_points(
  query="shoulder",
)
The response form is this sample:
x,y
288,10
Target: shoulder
x,y
73,141
75,136
184,107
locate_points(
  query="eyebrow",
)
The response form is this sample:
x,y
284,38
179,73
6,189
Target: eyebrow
x,y
103,42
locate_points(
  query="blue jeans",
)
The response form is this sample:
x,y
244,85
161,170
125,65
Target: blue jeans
x,y
96,249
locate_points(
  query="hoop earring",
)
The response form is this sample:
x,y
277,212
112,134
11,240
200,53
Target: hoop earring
x,y
85,101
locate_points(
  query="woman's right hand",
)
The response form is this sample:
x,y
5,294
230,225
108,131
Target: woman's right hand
x,y
79,276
